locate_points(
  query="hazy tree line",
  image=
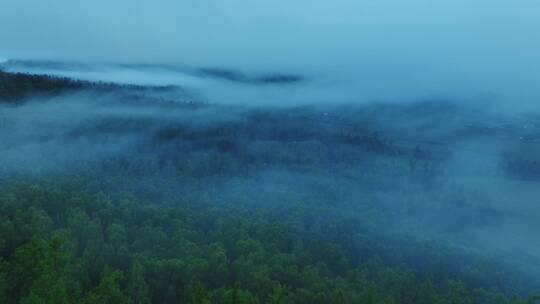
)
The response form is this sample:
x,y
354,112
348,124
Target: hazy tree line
x,y
14,87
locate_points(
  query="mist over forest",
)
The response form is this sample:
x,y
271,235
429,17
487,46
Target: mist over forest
x,y
257,152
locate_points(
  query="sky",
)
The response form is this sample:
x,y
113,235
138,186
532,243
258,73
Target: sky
x,y
414,48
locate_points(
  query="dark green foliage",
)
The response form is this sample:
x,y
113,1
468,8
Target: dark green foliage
x,y
130,252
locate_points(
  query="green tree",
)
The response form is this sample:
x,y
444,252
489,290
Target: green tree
x,y
108,291
201,295
136,286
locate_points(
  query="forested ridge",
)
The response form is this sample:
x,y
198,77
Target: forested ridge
x,y
184,215
16,87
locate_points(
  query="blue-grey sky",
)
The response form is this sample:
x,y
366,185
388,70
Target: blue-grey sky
x,y
411,47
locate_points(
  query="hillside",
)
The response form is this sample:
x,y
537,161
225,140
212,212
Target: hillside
x,y
128,194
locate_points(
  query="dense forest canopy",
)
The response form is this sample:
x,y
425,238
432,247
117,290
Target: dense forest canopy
x,y
147,199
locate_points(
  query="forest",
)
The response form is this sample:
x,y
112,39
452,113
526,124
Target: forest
x,y
148,198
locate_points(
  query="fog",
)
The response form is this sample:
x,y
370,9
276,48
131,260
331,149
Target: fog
x,y
457,191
